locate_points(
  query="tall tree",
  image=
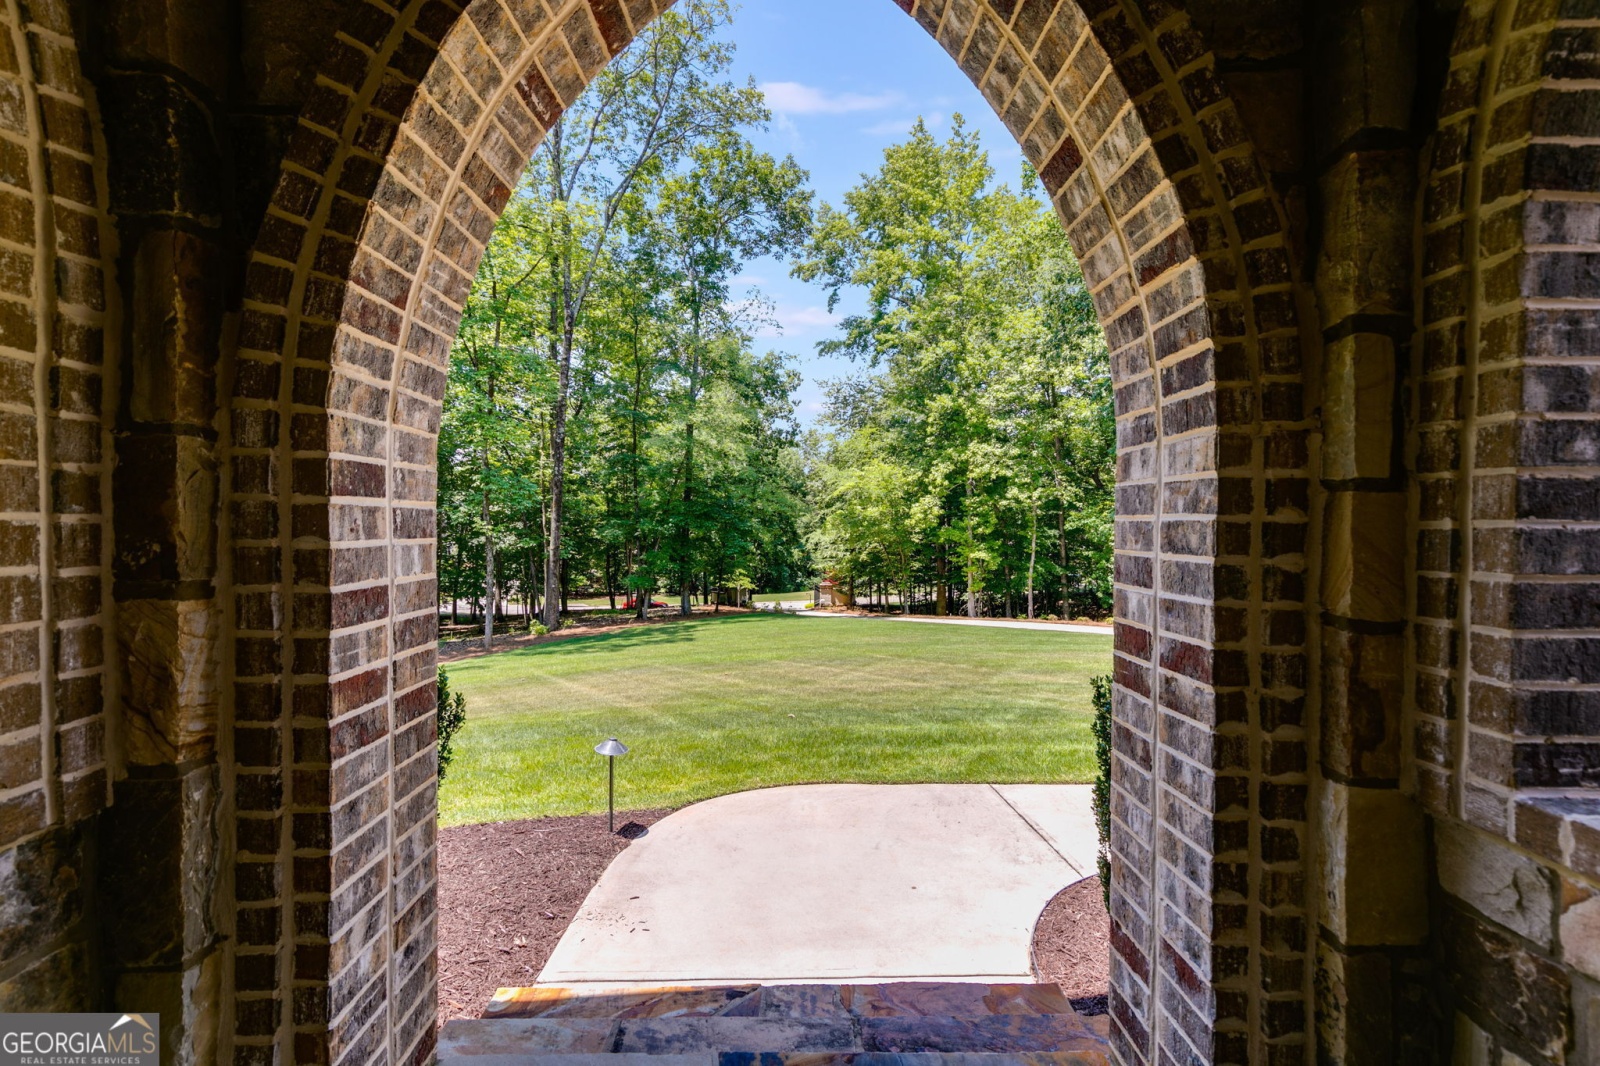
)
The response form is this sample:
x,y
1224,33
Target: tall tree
x,y
986,375
497,394
732,204
602,359
651,105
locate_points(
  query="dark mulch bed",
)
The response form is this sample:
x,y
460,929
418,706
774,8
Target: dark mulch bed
x,y
1072,945
506,894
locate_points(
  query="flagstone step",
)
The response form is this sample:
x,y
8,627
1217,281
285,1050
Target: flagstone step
x,y
677,1036
909,1024
647,1036
919,998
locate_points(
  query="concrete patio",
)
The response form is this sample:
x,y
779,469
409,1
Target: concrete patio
x,y
835,883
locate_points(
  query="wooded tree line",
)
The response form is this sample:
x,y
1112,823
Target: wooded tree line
x,y
611,429
608,425
973,458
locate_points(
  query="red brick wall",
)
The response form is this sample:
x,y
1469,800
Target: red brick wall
x,y
53,490
1357,528
1505,697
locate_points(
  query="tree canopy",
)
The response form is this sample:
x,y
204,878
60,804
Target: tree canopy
x,y
612,429
977,449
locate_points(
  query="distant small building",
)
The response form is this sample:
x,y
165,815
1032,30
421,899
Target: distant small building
x,y
832,594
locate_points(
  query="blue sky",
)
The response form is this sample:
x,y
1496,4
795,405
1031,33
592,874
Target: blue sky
x,y
844,79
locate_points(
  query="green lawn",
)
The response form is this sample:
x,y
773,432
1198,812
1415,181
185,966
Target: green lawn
x,y
804,595
713,706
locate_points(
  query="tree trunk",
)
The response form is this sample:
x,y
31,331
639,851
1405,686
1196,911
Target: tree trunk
x,y
488,565
533,570
685,577
558,478
972,592
688,441
563,315
1061,548
635,548
488,595
1033,558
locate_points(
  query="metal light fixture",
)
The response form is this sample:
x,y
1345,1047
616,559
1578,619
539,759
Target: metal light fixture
x,y
611,749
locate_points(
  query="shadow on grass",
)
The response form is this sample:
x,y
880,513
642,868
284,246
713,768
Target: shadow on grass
x,y
673,631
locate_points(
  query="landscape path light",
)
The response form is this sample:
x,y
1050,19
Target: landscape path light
x,y
611,749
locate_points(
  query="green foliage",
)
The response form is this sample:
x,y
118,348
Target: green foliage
x,y
977,449
608,424
1101,728
452,716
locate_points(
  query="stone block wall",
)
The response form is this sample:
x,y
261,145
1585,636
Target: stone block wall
x,y
1373,978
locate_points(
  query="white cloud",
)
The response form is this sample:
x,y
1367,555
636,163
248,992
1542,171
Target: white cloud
x,y
807,317
794,98
798,320
790,132
901,126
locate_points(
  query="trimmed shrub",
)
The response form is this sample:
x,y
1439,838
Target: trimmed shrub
x,y
452,716
1101,728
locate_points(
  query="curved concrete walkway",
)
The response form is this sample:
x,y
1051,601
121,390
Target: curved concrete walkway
x,y
858,883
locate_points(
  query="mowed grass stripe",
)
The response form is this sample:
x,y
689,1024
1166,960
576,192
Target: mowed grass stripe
x,y
719,705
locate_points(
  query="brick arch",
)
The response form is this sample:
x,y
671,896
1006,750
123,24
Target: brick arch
x,y
405,154
1503,716
56,282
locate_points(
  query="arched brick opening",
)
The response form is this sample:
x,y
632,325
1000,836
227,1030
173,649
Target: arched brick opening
x,y
1503,721
56,282
283,909
404,155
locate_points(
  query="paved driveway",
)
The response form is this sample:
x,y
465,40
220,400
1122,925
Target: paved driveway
x,y
861,883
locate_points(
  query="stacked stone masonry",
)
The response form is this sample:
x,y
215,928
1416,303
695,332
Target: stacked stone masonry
x,y
1343,254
